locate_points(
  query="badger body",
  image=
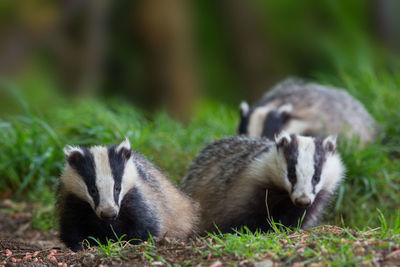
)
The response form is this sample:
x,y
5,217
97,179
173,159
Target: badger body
x,y
233,178
309,109
107,192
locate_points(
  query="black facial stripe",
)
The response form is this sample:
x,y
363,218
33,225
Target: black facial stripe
x,y
291,153
274,123
244,122
86,168
117,163
319,159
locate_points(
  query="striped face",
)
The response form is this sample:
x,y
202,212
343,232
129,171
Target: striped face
x,y
311,165
266,121
96,176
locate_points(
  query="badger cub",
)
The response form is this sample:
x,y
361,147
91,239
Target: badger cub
x,y
115,189
307,109
233,178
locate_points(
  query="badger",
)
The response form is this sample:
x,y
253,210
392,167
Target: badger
x,y
107,192
307,109
243,181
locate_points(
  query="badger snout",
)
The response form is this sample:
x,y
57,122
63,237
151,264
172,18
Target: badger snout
x,y
109,214
302,202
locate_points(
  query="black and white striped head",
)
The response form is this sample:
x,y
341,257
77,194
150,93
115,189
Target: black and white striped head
x,y
265,121
100,175
309,165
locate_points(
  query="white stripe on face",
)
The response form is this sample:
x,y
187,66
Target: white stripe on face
x,y
332,173
256,122
128,179
295,126
104,181
304,169
73,182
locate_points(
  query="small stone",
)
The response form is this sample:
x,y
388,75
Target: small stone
x,y
216,264
298,264
15,260
53,259
243,262
8,253
394,254
359,251
264,263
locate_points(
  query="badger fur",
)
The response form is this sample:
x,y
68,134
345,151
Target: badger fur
x,y
232,179
307,109
115,189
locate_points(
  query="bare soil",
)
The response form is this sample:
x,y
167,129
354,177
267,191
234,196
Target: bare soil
x,y
20,245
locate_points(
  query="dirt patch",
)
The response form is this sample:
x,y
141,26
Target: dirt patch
x,y
160,253
20,245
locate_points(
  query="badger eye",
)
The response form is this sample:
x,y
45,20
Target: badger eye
x,y
117,188
93,191
315,179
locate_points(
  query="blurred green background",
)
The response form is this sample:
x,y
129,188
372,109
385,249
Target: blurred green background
x,y
170,75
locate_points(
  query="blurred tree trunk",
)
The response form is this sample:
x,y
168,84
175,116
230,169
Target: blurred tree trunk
x,y
79,44
252,54
14,50
23,32
165,29
388,20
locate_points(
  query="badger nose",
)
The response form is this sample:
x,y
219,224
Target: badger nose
x,y
109,215
302,202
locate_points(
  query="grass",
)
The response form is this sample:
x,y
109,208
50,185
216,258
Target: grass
x,y
111,248
327,245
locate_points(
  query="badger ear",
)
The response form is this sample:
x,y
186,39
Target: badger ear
x,y
73,154
244,108
283,139
329,144
125,148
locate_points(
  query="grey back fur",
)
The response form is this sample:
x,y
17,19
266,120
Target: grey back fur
x,y
322,110
216,171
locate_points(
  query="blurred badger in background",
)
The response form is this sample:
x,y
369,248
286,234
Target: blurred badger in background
x,y
310,109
